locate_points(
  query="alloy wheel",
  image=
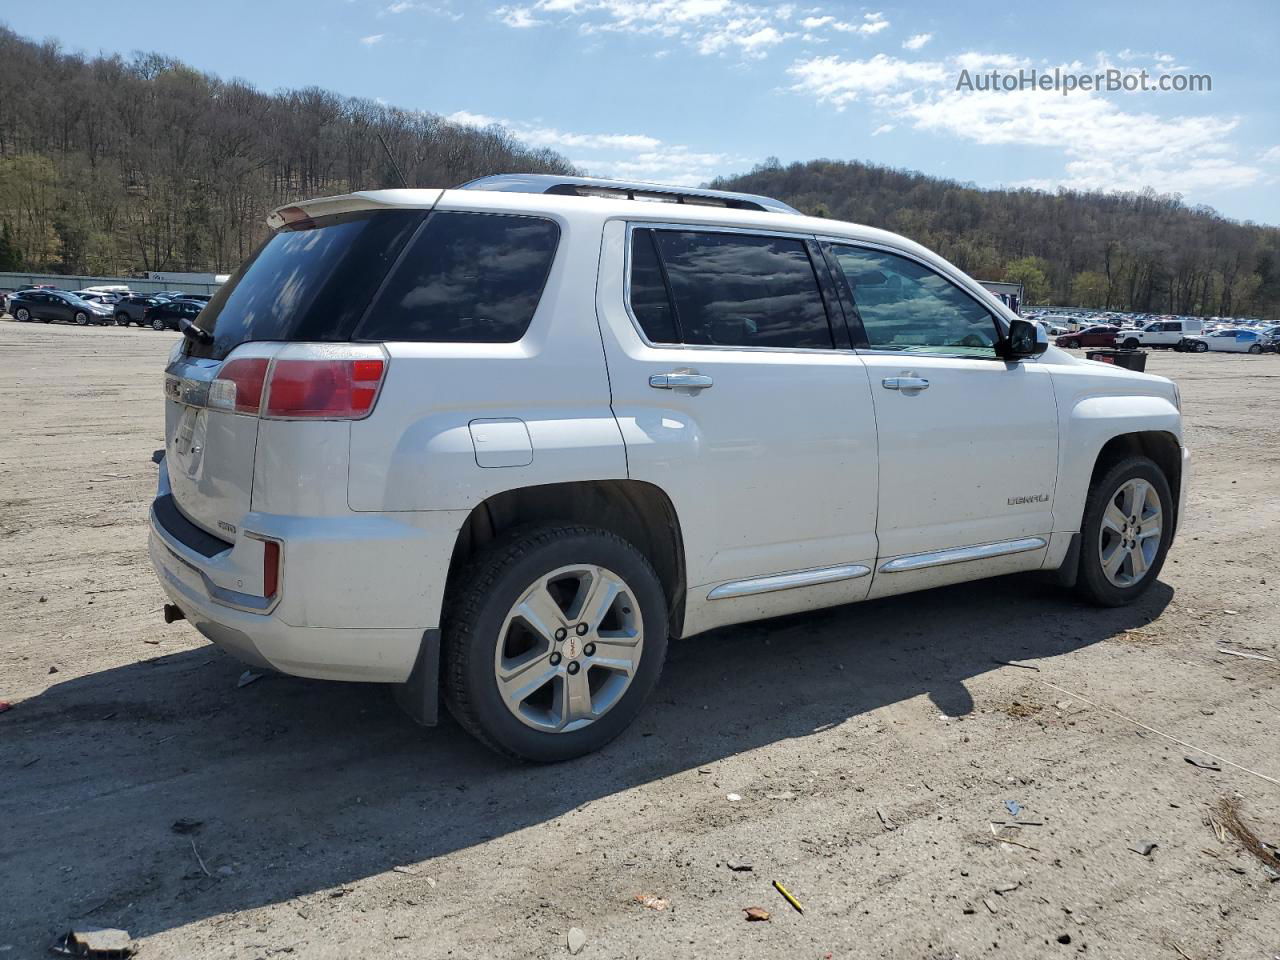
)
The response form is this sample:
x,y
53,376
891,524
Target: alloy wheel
x,y
569,648
1129,536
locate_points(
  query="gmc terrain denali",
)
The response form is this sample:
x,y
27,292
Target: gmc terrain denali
x,y
501,442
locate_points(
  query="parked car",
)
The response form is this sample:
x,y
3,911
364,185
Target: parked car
x,y
1161,333
93,296
507,439
1096,336
133,308
172,314
50,305
1227,340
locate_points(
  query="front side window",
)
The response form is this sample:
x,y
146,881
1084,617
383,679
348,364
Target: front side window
x,y
466,278
727,289
906,306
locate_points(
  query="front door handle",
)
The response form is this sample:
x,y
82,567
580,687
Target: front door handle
x,y
905,383
675,381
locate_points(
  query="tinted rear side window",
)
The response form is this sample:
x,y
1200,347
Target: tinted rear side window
x,y
466,277
743,290
650,300
310,283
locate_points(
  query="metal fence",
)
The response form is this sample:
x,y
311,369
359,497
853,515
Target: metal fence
x,y
11,281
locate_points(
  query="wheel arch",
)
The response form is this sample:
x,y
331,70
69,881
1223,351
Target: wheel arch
x,y
639,512
1159,446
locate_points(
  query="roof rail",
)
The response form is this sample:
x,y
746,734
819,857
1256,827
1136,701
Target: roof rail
x,y
631,190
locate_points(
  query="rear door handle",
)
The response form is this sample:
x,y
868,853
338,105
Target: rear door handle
x,y
905,383
673,381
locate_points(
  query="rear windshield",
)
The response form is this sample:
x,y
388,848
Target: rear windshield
x,y
309,283
460,277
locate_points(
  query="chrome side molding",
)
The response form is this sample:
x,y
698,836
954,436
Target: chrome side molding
x,y
940,558
788,581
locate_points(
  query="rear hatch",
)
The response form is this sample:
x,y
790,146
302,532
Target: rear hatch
x,y
311,281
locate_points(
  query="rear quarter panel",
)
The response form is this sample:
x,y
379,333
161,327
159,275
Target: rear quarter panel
x,y
416,451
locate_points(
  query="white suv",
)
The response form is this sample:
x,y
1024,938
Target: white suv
x,y
502,442
1160,333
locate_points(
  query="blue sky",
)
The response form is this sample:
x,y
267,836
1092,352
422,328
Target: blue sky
x,y
683,90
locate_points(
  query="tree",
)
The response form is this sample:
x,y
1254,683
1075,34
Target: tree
x,y
1031,272
1089,289
10,255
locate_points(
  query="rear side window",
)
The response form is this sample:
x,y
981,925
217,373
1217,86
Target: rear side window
x,y
466,277
728,289
308,283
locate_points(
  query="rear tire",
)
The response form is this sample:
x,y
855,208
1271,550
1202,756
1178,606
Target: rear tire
x,y
487,636
122,320
23,315
1118,564
157,324
1073,344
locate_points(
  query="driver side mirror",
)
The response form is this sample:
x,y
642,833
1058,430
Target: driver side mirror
x,y
1025,339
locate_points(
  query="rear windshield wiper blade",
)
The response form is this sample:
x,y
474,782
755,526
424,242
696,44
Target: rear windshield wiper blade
x,y
192,332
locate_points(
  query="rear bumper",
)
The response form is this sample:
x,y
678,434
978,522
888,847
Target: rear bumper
x,y
357,593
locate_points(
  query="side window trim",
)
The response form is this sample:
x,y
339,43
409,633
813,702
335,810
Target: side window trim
x,y
806,239
829,243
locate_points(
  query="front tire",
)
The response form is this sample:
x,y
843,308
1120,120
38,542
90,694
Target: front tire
x,y
157,324
1202,347
1131,343
553,641
122,320
1073,344
1128,523
81,318
23,315
1255,348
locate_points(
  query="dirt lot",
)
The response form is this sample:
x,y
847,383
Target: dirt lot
x,y
872,747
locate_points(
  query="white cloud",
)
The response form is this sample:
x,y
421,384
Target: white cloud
x,y
1103,145
917,41
372,39
840,82
518,17
883,128
626,156
872,23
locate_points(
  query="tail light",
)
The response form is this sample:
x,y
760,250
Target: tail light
x,y
270,568
329,387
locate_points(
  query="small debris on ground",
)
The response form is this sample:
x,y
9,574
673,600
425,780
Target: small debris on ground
x,y
575,940
756,913
733,797
1004,888
1226,819
739,866
247,678
94,942
1203,764
1013,806
650,902
786,895
884,819
186,825
1247,656
410,871
1144,849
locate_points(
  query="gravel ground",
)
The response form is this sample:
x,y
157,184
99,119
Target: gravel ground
x,y
872,748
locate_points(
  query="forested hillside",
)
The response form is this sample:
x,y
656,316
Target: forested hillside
x,y
1141,252
114,165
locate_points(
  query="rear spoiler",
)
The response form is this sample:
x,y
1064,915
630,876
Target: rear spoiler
x,y
353,203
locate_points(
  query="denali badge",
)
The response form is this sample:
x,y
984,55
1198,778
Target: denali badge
x,y
1033,498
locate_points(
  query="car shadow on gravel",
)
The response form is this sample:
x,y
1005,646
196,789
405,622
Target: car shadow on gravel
x,y
304,786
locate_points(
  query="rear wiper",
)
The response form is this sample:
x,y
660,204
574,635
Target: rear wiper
x,y
192,332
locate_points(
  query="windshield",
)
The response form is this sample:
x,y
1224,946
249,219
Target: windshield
x,y
311,282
